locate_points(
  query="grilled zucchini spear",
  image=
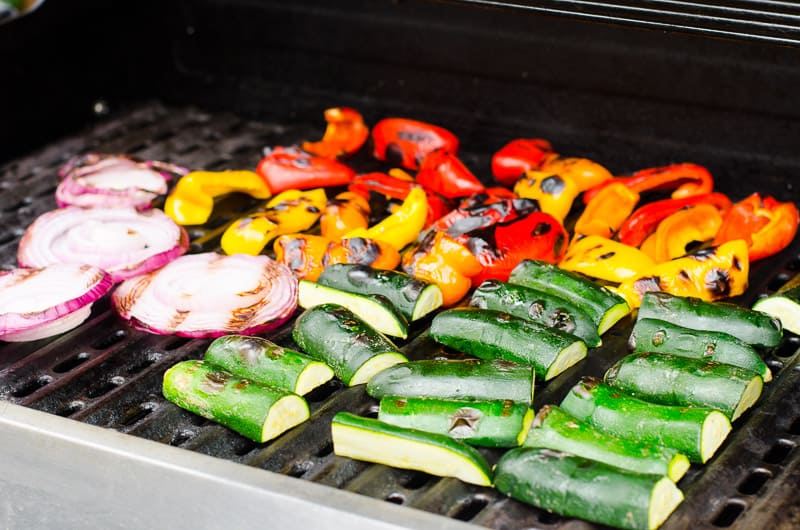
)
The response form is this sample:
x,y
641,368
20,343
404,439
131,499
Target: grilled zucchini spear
x,y
784,305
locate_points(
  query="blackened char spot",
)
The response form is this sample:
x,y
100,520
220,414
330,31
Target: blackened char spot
x,y
312,209
718,282
647,284
362,250
684,275
704,254
558,245
394,154
541,229
607,255
553,185
294,250
737,264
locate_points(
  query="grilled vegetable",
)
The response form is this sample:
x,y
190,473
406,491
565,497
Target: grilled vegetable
x,y
192,200
289,168
607,210
484,423
536,306
288,212
604,307
696,223
258,412
554,193
602,258
555,429
413,298
374,441
353,348
685,179
651,335
39,303
583,172
209,295
376,310
443,173
577,487
711,274
344,135
752,327
121,241
403,226
695,432
266,363
407,142
481,210
517,157
344,213
494,335
784,305
673,380
469,379
766,225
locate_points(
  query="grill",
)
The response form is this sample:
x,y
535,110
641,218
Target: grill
x,y
208,84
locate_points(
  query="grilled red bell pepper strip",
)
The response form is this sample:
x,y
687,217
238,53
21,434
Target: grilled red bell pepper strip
x,y
584,173
286,168
607,211
500,247
495,205
768,226
554,193
517,157
445,174
645,219
685,179
407,142
700,222
344,213
344,135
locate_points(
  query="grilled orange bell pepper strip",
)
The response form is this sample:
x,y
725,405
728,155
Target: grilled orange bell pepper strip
x,y
645,219
711,274
346,212
768,226
606,212
444,261
555,193
517,157
698,223
584,173
403,226
192,200
605,259
308,255
289,168
344,135
685,179
286,213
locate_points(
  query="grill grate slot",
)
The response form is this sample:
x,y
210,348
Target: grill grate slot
x,y
732,510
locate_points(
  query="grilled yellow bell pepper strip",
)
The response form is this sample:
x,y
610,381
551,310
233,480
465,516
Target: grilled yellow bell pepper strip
x,y
607,210
583,172
698,223
192,200
288,212
344,213
403,226
602,258
555,193
710,274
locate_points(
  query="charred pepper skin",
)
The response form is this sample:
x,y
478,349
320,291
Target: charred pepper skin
x,y
443,173
287,168
407,142
685,179
344,135
517,157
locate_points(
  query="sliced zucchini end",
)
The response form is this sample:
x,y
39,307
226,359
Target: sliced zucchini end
x,y
782,308
664,498
750,395
715,429
766,375
284,414
312,376
374,365
613,315
566,358
429,300
677,467
371,446
526,426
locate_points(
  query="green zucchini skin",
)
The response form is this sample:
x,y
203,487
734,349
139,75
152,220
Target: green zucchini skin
x,y
484,423
608,410
604,307
577,487
472,466
537,306
651,335
753,327
673,380
260,361
401,289
217,395
784,305
553,428
333,334
469,379
494,335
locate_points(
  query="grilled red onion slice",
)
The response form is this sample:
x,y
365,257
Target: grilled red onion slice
x,y
113,181
209,295
121,241
39,303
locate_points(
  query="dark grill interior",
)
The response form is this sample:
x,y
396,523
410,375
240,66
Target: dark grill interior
x,y
211,95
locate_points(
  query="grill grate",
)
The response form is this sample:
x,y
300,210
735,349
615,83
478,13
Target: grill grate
x,y
106,374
